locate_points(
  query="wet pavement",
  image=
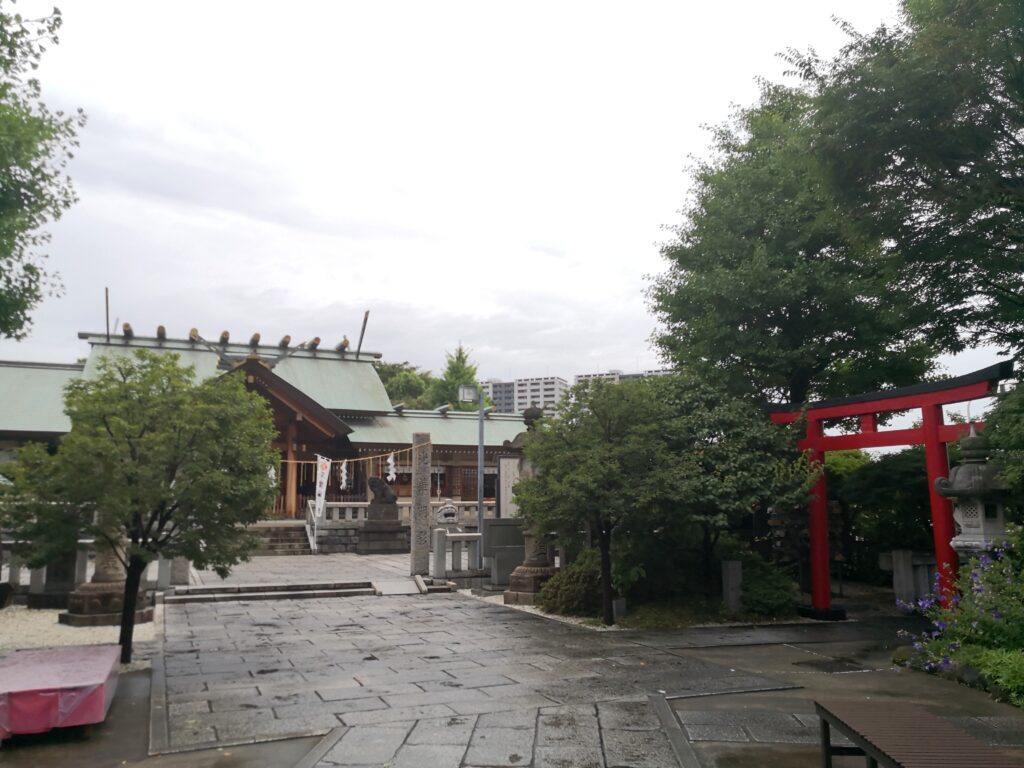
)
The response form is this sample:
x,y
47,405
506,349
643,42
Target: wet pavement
x,y
446,680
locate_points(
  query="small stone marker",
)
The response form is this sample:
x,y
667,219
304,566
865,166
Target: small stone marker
x,y
732,585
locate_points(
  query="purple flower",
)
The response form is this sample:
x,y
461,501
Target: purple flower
x,y
940,625
945,663
997,615
917,647
984,561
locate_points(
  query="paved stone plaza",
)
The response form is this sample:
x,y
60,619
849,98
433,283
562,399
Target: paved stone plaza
x,y
448,680
427,680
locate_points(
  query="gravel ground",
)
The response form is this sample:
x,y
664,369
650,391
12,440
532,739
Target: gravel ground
x,y
22,628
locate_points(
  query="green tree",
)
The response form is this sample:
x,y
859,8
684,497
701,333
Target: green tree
x,y
627,460
154,464
406,384
598,467
1004,428
767,289
35,147
920,128
459,371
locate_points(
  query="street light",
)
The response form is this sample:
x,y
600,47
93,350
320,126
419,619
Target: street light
x,y
469,393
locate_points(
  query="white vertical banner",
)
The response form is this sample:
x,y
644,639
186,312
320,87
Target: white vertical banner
x,y
323,473
344,474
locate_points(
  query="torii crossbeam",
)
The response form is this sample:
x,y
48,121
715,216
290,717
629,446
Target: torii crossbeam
x,y
933,434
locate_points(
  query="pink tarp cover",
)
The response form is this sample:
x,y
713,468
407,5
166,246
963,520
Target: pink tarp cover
x,y
56,687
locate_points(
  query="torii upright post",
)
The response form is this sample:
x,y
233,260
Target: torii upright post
x,y
936,459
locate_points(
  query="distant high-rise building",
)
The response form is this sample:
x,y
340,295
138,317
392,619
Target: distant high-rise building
x,y
615,376
518,395
502,395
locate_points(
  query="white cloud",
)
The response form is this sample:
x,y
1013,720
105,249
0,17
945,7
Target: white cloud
x,y
491,173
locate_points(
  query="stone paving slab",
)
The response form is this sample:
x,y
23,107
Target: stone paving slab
x,y
428,680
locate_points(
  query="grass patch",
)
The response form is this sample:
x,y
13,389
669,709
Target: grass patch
x,y
681,613
675,614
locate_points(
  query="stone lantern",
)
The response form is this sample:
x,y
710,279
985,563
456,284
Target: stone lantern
x,y
977,495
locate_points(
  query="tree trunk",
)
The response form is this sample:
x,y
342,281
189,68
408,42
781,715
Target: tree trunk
x,y
605,543
133,577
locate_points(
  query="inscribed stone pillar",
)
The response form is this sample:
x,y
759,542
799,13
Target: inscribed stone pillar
x,y
180,571
419,552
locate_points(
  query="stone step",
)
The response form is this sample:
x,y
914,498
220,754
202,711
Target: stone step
x,y
304,594
214,589
275,552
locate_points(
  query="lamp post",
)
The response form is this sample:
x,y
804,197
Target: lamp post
x,y
468,394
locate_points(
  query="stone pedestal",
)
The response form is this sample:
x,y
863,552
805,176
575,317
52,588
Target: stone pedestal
x,y
383,532
526,580
101,601
100,605
382,538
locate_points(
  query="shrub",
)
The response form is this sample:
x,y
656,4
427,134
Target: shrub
x,y
982,624
999,670
766,590
576,589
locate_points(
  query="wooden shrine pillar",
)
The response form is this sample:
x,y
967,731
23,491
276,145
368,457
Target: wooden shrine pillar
x,y
291,502
936,460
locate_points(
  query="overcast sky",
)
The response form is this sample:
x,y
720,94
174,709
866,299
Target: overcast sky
x,y
495,174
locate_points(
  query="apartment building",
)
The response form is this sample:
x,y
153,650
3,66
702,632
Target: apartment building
x,y
518,395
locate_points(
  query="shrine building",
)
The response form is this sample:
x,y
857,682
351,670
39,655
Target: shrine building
x,y
326,401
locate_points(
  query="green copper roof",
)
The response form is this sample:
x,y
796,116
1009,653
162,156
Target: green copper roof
x,y
338,381
455,428
32,395
204,360
341,385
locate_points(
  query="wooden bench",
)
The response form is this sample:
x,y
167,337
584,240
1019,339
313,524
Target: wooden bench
x,y
900,735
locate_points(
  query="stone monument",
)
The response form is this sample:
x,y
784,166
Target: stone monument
x,y
526,580
419,555
383,532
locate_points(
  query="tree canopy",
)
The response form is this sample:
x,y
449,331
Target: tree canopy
x,y
459,371
407,384
920,130
667,454
35,148
420,389
767,289
154,464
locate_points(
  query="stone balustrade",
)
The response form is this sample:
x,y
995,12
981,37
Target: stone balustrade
x,y
348,513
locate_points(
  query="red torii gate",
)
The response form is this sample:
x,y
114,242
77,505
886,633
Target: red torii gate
x,y
933,433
